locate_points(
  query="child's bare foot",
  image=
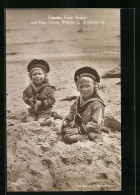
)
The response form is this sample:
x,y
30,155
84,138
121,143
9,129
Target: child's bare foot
x,y
45,122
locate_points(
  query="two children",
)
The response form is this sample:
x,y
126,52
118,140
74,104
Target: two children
x,y
87,112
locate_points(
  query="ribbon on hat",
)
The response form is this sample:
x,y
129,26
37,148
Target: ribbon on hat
x,y
86,75
38,66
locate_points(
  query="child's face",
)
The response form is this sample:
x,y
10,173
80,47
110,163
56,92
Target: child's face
x,y
38,76
86,87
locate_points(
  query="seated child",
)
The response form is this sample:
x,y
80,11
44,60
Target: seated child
x,y
39,95
87,112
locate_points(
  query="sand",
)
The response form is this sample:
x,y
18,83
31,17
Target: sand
x,y
37,159
95,166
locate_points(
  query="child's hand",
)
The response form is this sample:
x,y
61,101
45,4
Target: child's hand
x,y
65,124
31,102
37,105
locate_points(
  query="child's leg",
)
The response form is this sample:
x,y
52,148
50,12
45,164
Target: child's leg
x,y
44,121
30,117
69,139
41,121
92,136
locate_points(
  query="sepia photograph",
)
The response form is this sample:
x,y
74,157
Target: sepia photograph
x,y
63,99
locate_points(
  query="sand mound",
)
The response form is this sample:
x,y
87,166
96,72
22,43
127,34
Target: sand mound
x,y
39,161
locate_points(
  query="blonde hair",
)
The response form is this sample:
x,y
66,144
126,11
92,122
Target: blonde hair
x,y
82,79
37,68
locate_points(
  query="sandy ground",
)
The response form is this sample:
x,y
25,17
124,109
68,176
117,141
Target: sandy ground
x,y
83,166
